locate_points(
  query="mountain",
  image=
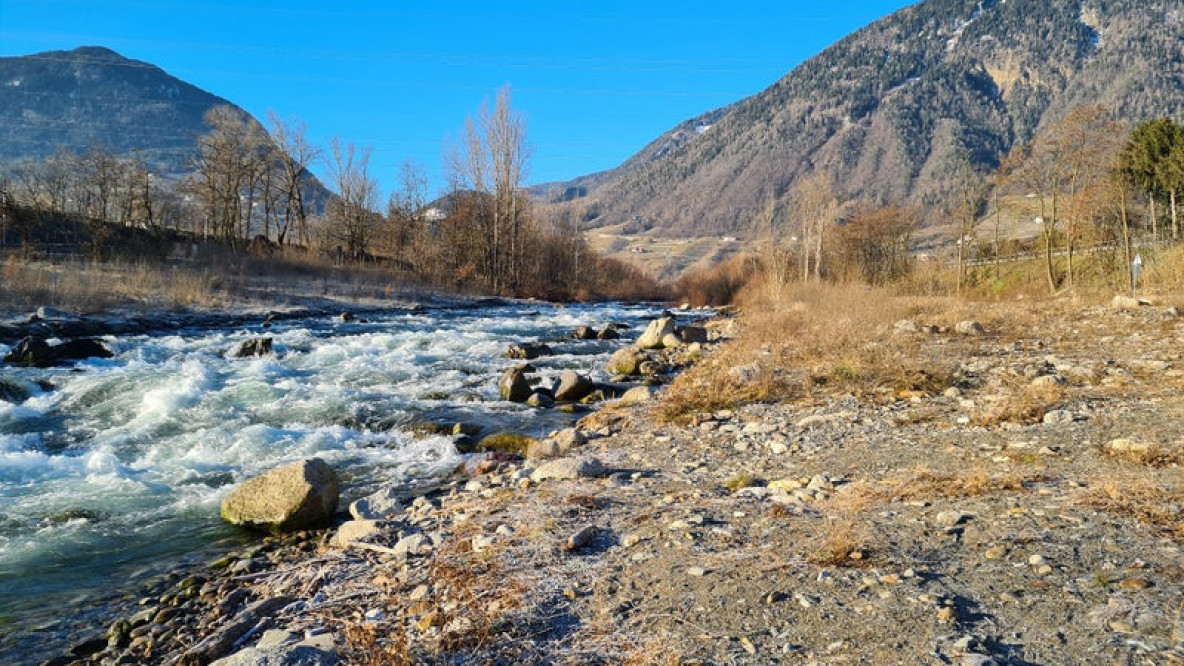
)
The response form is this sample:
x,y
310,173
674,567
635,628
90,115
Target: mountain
x,y
885,110
93,96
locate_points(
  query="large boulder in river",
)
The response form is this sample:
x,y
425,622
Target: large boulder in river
x,y
513,386
609,333
13,392
655,333
294,497
573,387
37,353
251,347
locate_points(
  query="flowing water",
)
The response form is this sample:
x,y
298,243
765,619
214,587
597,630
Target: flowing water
x,y
115,468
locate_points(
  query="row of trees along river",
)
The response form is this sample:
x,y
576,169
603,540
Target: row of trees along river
x,y
250,188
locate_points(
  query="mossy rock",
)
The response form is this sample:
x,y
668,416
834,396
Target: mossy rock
x,y
506,442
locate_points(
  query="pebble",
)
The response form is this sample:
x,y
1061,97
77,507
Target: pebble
x,y
1135,584
951,518
697,571
995,553
580,538
481,543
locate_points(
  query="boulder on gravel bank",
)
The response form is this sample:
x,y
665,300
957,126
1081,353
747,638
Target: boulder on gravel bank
x,y
656,333
294,497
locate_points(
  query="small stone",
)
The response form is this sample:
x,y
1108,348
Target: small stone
x,y
995,553
947,615
1135,584
569,468
426,622
698,572
581,538
969,328
951,518
481,543
1036,560
1121,627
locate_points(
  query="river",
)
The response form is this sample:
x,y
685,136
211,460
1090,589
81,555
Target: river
x,y
113,470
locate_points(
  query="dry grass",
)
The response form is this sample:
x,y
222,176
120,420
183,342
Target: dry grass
x,y
1026,406
926,484
843,543
88,287
834,338
1146,455
470,603
1156,504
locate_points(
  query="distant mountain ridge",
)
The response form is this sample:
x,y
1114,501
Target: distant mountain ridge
x,y
92,96
885,110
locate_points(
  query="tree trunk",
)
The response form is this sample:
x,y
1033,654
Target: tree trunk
x,y
1126,235
1175,221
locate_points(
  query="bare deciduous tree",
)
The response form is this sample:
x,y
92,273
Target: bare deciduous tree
x,y
352,217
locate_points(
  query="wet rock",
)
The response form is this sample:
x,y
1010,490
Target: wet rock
x,y
251,347
528,351
513,386
541,400
609,333
37,353
294,497
584,333
11,391
573,387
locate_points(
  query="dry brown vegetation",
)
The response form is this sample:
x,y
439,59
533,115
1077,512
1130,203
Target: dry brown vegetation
x,y
816,335
289,279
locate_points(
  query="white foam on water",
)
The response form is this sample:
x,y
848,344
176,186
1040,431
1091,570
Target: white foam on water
x,y
134,453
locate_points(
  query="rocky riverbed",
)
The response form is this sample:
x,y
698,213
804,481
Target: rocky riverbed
x,y
1029,512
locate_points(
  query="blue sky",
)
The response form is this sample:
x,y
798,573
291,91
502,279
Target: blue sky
x,y
595,81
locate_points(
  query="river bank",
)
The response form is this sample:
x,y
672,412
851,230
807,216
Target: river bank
x,y
1028,511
